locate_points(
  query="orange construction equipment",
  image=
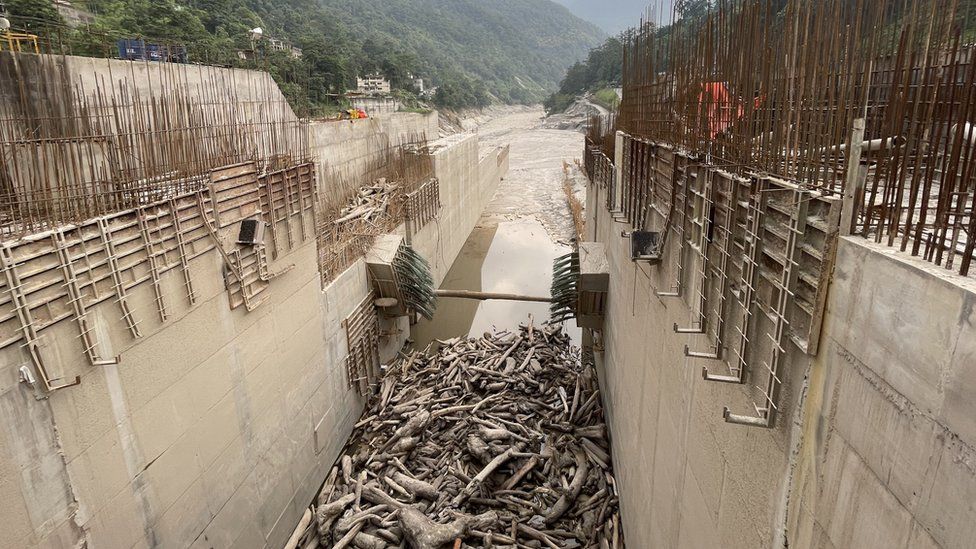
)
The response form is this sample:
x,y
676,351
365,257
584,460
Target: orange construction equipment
x,y
720,108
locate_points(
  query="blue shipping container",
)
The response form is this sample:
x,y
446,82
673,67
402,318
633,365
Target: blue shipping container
x,y
139,50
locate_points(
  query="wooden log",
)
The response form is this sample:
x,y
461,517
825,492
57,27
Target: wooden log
x,y
481,476
567,499
438,434
520,474
423,533
296,536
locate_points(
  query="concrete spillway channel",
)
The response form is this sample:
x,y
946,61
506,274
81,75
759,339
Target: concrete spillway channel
x,y
492,441
490,430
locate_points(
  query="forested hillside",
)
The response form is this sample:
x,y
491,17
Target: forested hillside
x,y
475,51
602,68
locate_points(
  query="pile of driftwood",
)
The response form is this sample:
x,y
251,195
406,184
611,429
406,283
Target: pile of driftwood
x,y
492,442
370,202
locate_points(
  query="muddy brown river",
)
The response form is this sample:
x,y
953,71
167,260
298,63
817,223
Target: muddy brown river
x,y
525,226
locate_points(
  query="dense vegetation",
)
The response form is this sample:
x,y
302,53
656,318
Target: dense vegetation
x,y
603,68
475,51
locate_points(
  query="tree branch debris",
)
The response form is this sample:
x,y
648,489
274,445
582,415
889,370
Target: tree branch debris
x,y
496,441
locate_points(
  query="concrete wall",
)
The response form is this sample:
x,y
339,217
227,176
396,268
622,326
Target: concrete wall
x,y
888,453
127,78
687,479
214,429
218,425
346,148
468,180
874,441
376,105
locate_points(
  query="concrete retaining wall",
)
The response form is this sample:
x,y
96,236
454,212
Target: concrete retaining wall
x,y
889,427
346,148
874,442
212,431
218,425
468,180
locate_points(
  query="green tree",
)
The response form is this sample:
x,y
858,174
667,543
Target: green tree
x,y
32,15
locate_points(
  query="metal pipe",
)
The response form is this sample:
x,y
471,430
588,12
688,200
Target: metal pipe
x,y
485,296
969,133
871,145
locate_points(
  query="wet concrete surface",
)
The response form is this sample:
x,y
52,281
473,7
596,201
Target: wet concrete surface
x,y
525,226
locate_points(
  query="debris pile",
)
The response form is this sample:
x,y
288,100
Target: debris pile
x,y
370,202
497,441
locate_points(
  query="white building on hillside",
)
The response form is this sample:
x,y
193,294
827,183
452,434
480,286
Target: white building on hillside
x,y
373,84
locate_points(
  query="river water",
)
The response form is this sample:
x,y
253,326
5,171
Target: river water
x,y
525,226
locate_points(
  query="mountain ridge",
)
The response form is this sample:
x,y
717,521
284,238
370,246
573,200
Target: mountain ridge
x,y
476,51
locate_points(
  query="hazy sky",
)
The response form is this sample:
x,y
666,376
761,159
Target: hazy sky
x,y
614,16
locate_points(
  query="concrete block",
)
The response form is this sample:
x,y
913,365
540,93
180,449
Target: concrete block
x,y
665,498
296,310
172,473
920,539
898,445
820,539
274,491
594,283
186,519
65,535
31,457
949,503
83,414
227,529
214,432
253,345
122,523
225,476
379,261
15,523
144,370
257,398
707,465
739,525
156,436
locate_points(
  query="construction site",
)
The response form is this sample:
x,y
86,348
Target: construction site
x,y
738,312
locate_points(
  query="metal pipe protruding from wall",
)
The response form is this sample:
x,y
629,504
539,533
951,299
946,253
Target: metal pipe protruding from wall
x,y
486,296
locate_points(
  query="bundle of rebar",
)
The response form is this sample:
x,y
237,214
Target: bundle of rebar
x,y
351,214
416,282
774,86
497,441
71,150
